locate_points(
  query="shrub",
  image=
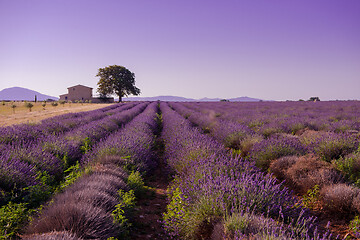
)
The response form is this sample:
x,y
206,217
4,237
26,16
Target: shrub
x,y
338,198
13,216
269,131
273,148
126,204
308,171
354,226
136,182
335,147
52,236
177,213
83,220
29,105
62,102
234,140
204,216
281,165
350,167
89,196
13,106
356,203
312,197
248,142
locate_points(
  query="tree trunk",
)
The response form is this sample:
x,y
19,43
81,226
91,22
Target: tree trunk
x,y
120,98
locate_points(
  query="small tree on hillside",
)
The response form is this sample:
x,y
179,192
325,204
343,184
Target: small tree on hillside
x,y
116,80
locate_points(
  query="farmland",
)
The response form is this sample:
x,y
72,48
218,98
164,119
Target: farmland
x,y
266,170
40,111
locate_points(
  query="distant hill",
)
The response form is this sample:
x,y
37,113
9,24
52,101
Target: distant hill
x,y
182,99
19,94
244,99
161,98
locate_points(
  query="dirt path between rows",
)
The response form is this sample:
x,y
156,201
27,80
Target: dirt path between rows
x,y
149,209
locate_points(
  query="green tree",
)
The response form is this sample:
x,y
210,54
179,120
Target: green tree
x,y
29,105
13,106
116,80
62,102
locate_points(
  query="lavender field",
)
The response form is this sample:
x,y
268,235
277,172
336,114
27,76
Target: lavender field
x,y
265,170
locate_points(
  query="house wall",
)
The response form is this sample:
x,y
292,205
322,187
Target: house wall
x,y
63,97
78,93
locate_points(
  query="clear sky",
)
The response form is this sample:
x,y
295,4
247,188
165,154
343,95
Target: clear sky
x,y
268,49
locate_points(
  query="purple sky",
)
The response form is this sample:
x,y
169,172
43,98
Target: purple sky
x,y
273,50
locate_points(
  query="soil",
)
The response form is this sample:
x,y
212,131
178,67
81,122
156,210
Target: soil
x,y
149,208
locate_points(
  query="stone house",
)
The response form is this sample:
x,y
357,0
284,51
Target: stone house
x,y
83,93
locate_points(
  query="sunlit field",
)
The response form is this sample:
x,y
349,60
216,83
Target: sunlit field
x,y
10,115
181,170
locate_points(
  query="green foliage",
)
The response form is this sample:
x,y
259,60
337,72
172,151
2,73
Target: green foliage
x,y
350,167
86,145
54,104
267,132
13,217
62,102
72,174
177,213
354,226
271,152
136,182
127,201
335,148
13,106
234,140
39,193
116,80
204,214
236,222
314,99
311,198
29,105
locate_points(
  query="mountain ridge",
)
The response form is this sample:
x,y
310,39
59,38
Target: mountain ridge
x,y
183,99
23,94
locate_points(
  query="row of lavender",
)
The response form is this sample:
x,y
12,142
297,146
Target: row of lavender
x,y
287,117
96,205
32,170
314,156
216,196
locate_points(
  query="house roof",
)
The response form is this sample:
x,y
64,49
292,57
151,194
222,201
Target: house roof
x,y
80,86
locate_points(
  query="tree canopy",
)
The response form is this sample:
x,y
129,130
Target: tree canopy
x,y
116,80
